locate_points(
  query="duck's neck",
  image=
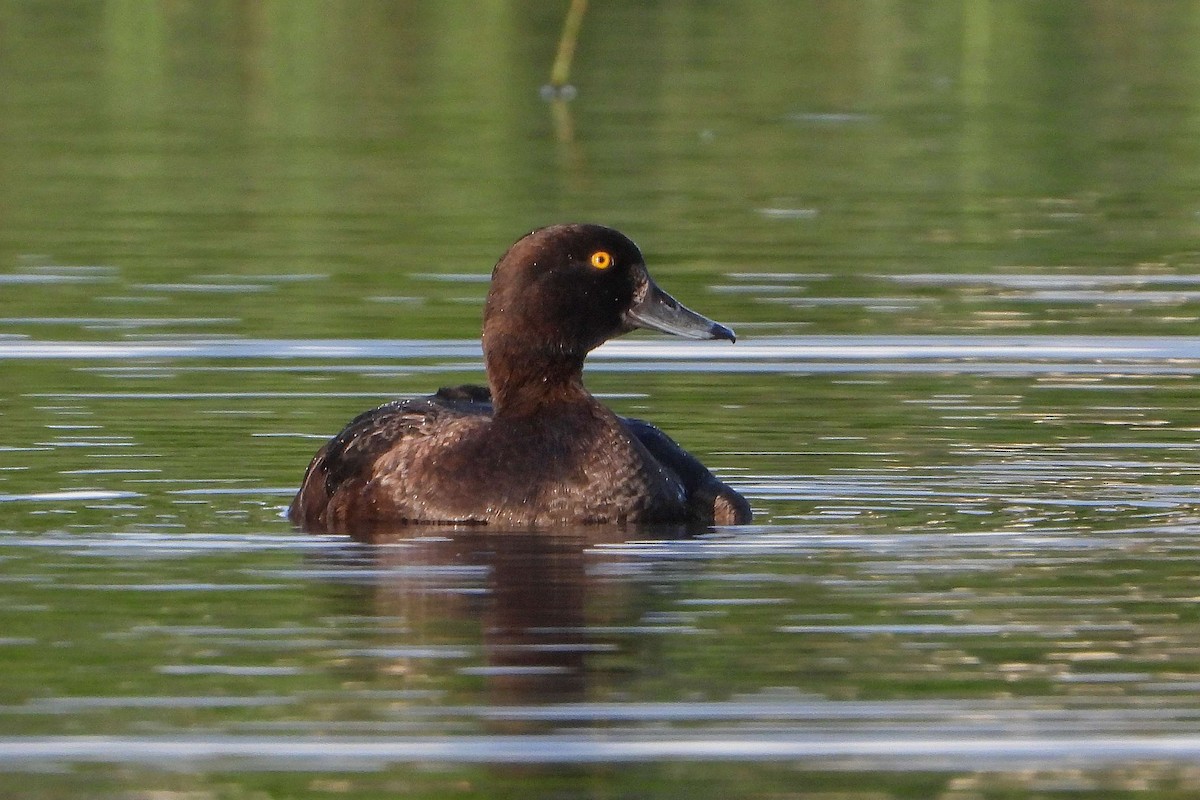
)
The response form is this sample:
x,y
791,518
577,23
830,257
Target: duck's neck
x,y
525,381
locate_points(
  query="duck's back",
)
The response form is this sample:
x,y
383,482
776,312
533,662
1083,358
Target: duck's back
x,y
444,460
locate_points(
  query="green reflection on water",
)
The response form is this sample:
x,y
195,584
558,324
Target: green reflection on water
x,y
296,170
368,142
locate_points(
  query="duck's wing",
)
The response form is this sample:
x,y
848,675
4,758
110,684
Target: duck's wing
x,y
338,485
710,501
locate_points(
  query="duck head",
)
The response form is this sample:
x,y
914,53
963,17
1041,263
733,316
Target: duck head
x,y
561,291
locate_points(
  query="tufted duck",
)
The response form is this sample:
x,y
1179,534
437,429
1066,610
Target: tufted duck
x,y
534,449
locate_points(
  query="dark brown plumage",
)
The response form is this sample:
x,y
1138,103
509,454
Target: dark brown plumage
x,y
535,449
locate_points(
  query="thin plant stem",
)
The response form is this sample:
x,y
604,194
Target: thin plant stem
x,y
561,70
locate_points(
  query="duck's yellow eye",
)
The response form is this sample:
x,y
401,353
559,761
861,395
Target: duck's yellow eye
x,y
601,259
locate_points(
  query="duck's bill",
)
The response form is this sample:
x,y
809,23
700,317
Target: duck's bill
x,y
658,311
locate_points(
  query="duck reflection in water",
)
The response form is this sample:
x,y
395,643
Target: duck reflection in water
x,y
532,600
534,449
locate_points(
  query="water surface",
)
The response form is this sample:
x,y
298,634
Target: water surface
x,y
959,248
